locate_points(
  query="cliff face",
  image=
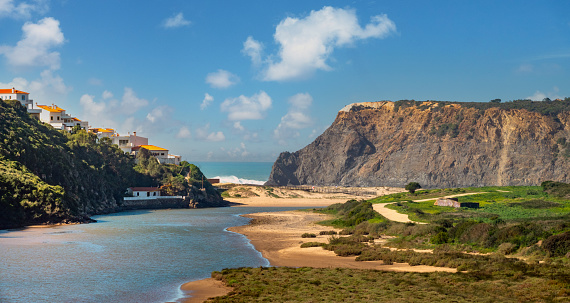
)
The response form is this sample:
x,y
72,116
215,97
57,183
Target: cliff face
x,y
434,144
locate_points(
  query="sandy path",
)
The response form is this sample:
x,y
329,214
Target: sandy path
x,y
391,214
394,215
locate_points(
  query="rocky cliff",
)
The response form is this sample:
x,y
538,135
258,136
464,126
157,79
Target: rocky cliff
x,y
438,144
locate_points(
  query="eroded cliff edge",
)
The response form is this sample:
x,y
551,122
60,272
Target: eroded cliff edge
x,y
438,144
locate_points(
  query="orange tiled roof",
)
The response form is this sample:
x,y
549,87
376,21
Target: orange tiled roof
x,y
9,91
54,109
149,147
75,119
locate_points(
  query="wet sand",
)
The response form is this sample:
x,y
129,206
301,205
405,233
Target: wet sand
x,y
277,235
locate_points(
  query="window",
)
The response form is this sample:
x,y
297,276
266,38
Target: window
x,y
123,142
23,97
148,194
51,118
162,154
57,117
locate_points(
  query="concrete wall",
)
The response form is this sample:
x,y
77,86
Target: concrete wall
x,y
154,203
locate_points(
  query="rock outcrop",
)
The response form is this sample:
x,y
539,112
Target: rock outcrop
x,y
437,144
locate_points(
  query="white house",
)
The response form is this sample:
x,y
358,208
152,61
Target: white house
x,y
103,132
144,192
56,117
126,143
23,97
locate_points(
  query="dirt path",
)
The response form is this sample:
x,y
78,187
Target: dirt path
x,y
391,214
394,215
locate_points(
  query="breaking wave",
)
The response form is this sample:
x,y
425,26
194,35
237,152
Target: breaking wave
x,y
236,180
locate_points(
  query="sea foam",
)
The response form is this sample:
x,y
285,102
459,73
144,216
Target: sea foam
x,y
236,180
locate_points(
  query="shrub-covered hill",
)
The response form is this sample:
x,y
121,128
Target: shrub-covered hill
x,y
49,176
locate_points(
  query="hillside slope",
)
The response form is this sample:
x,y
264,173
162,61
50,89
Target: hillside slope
x,y
48,176
438,144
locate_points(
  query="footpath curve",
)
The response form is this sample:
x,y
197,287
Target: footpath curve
x,y
393,215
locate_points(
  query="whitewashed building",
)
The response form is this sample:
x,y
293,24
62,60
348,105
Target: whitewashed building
x,y
23,97
161,154
126,143
59,119
103,132
144,192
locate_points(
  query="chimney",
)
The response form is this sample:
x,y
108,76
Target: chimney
x,y
13,90
135,134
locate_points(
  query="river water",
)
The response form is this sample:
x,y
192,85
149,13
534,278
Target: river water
x,y
137,256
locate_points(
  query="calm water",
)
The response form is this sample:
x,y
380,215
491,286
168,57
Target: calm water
x,y
237,172
138,256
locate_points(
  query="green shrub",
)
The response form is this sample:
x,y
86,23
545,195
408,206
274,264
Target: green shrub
x,y
557,245
308,235
312,244
327,232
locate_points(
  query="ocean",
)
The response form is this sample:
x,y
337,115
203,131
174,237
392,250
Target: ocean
x,y
237,172
136,256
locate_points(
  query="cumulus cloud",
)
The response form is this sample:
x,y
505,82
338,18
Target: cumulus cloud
x,y
184,133
121,113
46,89
247,108
35,48
221,79
175,21
253,49
238,126
295,119
208,99
203,133
159,114
306,44
23,10
238,151
130,102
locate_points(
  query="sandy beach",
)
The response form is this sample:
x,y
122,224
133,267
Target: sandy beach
x,y
277,235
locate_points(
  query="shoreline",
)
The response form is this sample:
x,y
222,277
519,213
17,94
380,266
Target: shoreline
x,y
277,235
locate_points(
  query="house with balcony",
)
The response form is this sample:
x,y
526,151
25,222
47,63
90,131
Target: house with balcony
x,y
126,143
23,97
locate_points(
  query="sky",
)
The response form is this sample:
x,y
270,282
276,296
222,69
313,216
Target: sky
x,y
247,80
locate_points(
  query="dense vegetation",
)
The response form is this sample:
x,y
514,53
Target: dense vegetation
x,y
545,107
532,225
50,176
283,284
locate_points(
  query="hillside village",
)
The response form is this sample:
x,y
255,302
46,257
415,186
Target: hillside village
x,y
59,119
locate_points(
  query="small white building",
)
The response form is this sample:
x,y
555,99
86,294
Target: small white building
x,y
56,117
103,132
127,143
23,97
144,192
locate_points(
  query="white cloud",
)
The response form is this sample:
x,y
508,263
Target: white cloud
x,y
295,119
208,99
159,114
47,89
236,152
23,9
184,133
107,95
35,47
306,44
247,108
253,49
221,79
203,133
238,126
539,96
175,21
89,105
130,102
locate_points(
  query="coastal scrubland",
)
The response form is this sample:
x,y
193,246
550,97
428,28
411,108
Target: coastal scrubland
x,y
514,248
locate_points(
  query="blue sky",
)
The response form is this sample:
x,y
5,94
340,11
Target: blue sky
x,y
246,80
